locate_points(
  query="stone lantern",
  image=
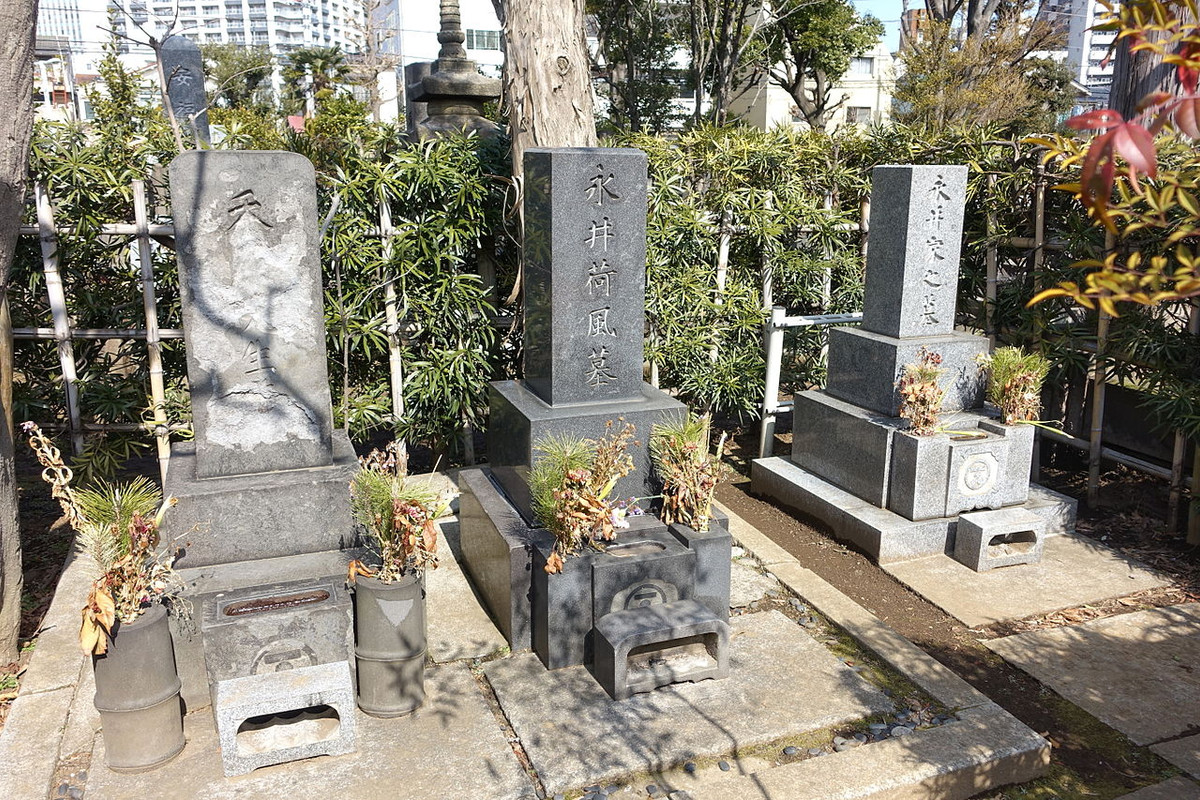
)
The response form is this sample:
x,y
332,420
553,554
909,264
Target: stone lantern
x,y
454,92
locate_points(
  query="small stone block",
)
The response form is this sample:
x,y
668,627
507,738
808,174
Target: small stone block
x,y
276,627
676,642
1024,536
285,716
918,475
978,469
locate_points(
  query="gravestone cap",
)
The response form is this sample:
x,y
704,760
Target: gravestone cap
x,y
914,250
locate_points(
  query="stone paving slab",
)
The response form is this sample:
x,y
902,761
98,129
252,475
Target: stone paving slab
x,y
747,584
459,627
1183,753
30,753
1074,570
781,683
1173,789
450,746
1134,672
985,748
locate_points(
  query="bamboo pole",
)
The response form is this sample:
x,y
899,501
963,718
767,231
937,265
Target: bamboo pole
x,y
58,312
1099,383
991,259
158,393
1193,517
773,334
722,272
392,314
96,333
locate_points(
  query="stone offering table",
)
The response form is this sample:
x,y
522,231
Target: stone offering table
x,y
854,466
585,250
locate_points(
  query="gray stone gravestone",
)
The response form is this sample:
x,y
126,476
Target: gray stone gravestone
x,y
248,240
266,476
585,267
854,465
183,69
586,272
584,281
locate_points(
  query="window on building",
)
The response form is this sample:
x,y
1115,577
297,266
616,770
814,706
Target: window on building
x,y
858,115
862,66
483,40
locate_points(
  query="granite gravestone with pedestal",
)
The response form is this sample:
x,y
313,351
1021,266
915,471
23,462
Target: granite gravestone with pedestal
x,y
585,276
183,70
263,508
853,464
585,262
265,463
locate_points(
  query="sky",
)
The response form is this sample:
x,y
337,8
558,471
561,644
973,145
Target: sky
x,y
889,12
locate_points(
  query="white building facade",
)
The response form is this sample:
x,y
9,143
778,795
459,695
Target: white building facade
x,y
1087,51
864,92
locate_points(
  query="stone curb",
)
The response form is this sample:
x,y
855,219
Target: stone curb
x,y
31,741
1014,752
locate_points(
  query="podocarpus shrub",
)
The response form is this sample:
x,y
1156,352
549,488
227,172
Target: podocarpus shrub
x,y
766,192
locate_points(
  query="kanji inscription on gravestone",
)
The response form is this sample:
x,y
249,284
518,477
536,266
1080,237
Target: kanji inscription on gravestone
x,y
183,70
250,278
912,260
585,245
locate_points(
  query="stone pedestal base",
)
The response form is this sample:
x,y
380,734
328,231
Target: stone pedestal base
x,y
884,535
266,515
865,367
919,477
504,557
497,552
520,419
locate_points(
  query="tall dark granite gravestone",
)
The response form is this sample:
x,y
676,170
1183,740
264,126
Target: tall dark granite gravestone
x,y
585,277
854,465
585,274
265,476
183,69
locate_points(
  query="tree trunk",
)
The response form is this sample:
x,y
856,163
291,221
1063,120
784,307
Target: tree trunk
x,y
547,76
17,17
1136,75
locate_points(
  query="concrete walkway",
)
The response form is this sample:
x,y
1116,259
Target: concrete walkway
x,y
497,725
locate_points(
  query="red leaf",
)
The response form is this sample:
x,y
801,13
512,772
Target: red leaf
x,y
1096,186
1186,116
1099,119
1189,78
1136,146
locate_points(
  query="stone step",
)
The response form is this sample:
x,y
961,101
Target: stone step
x,y
984,749
278,717
697,639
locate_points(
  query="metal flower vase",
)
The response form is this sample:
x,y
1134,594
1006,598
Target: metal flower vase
x,y
390,644
137,695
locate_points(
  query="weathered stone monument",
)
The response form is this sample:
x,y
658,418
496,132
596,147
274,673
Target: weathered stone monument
x,y
263,506
656,588
183,70
854,466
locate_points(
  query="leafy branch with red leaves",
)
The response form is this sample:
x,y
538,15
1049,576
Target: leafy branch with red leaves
x,y
1126,179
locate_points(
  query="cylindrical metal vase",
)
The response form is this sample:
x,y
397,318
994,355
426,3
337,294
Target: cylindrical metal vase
x,y
137,695
389,645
